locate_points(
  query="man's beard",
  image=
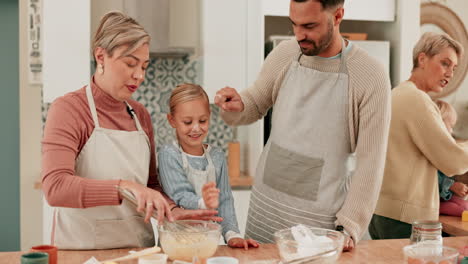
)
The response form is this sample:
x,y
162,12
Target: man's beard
x,y
323,42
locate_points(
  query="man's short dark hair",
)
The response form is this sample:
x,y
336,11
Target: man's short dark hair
x,y
326,4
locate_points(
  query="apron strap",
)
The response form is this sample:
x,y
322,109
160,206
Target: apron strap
x,y
137,122
185,162
92,106
184,157
343,67
208,157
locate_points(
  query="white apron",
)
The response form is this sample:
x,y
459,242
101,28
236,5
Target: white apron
x,y
198,178
302,175
108,154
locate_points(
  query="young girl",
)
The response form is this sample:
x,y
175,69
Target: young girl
x,y
193,174
450,204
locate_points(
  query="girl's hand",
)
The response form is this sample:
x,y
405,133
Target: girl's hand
x,y
238,242
459,189
210,195
148,200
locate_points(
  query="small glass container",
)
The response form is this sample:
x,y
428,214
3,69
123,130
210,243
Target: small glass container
x,y
426,253
428,232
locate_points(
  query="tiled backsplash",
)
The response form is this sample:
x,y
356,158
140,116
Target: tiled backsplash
x,y
163,75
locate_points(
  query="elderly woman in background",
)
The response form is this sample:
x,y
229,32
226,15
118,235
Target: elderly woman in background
x,y
419,143
97,139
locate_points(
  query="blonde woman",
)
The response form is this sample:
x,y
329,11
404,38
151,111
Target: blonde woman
x,y
194,174
97,138
419,142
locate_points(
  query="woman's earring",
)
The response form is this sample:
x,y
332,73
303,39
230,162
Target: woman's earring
x,y
100,69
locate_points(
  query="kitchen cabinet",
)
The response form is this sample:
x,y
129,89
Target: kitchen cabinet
x,y
369,10
66,42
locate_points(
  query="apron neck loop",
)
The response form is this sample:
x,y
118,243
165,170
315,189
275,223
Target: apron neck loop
x,y
184,155
134,116
92,108
298,57
343,68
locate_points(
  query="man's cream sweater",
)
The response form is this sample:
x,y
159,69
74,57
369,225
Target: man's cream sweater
x,y
368,115
419,144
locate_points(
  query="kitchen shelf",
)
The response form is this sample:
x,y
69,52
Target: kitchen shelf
x,y
244,181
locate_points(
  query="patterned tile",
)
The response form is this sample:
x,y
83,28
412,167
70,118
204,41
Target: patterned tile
x,y
163,75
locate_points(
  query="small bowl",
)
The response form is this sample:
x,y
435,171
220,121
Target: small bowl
x,y
198,238
327,251
423,253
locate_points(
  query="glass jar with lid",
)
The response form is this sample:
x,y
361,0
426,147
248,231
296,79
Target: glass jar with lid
x,y
428,232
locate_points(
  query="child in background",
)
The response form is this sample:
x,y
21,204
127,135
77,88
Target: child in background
x,y
451,193
193,174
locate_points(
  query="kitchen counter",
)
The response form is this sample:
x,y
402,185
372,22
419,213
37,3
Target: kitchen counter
x,y
370,251
454,225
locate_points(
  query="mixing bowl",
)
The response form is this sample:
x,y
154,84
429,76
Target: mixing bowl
x,y
184,239
325,246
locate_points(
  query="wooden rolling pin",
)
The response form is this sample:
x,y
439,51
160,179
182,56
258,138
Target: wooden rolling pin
x,y
234,159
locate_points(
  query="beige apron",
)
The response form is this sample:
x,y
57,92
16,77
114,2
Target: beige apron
x,y
303,175
108,154
196,177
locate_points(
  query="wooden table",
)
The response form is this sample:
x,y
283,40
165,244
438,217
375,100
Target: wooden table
x,y
453,225
371,251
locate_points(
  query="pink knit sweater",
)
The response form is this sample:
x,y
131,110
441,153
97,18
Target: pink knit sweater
x,y
68,127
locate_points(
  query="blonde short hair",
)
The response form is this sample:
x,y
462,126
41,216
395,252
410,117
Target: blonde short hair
x,y
432,43
186,92
446,110
117,29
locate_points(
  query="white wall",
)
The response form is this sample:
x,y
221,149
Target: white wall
x,y
241,206
66,46
408,19
252,135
